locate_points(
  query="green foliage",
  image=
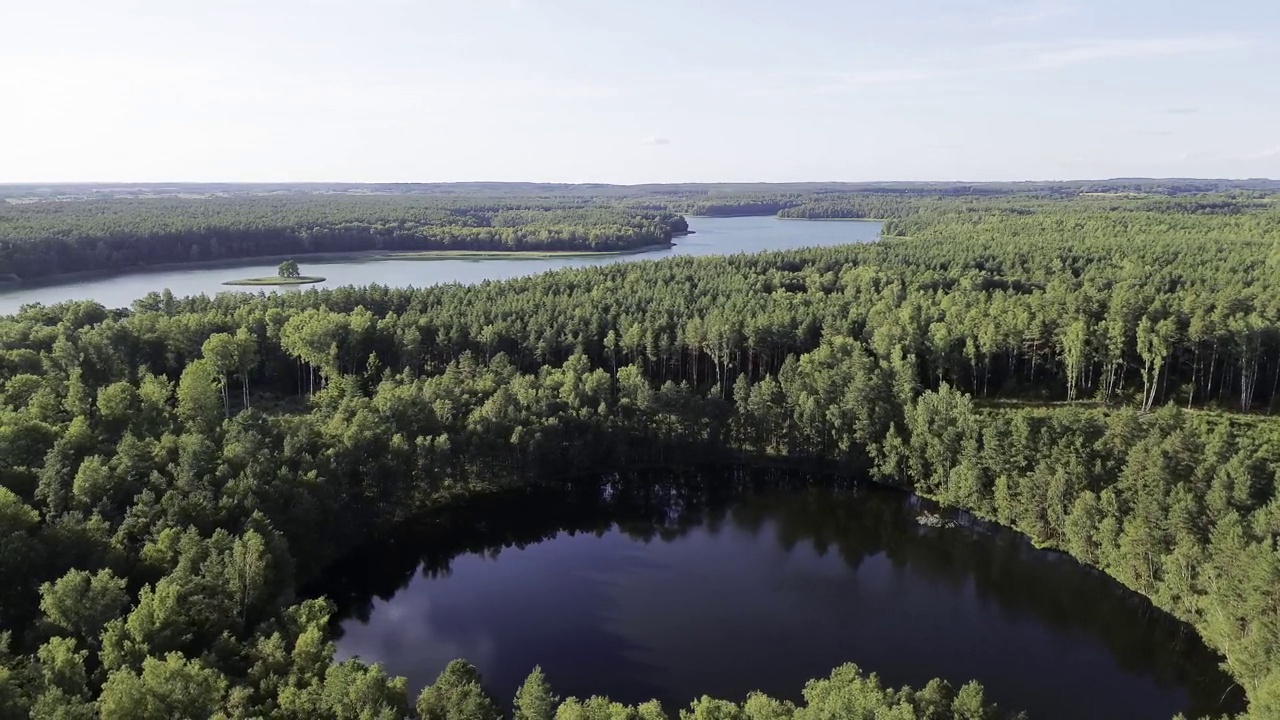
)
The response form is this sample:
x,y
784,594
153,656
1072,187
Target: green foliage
x,y
82,603
200,403
349,691
759,706
170,688
65,694
848,693
16,517
289,269
16,683
217,454
457,695
706,708
534,700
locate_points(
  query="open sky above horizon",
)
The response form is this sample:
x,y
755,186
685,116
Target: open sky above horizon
x,y
661,91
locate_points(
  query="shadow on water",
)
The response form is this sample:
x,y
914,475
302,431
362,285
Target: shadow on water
x,y
670,584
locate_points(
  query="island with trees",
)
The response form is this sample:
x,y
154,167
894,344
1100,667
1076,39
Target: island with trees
x,y
287,274
1095,367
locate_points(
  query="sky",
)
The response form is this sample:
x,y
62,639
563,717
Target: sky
x,y
634,92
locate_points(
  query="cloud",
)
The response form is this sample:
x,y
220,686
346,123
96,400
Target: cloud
x,y
817,84
1155,133
1035,13
1131,49
1266,155
499,91
888,76
1181,111
654,140
982,61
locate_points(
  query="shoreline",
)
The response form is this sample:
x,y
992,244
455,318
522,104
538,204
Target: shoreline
x,y
7,284
11,283
63,278
277,281
515,254
781,217
879,220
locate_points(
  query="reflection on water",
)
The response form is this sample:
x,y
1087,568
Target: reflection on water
x,y
722,582
713,236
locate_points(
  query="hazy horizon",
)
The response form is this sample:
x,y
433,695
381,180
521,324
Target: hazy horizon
x,y
899,181
573,91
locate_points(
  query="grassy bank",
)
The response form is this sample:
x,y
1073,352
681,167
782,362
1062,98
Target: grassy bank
x,y
301,280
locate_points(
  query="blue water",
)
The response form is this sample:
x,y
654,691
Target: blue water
x,y
712,236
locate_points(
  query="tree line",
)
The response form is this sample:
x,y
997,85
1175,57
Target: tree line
x,y
458,694
42,239
173,474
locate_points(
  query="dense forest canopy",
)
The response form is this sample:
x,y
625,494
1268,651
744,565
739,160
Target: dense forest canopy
x,y
1098,372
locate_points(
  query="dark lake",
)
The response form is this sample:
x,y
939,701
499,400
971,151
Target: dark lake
x,y
676,584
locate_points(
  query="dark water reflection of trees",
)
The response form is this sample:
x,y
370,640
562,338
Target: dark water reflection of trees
x,y
831,515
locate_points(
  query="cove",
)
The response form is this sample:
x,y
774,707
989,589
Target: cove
x,y
672,584
712,236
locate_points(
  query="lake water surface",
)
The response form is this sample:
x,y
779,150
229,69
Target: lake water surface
x,y
712,236
675,586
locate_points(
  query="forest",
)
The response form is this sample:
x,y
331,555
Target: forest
x,y
43,239
1099,372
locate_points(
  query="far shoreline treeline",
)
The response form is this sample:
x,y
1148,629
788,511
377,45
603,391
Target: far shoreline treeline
x,y
47,239
53,233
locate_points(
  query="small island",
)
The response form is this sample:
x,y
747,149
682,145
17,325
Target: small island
x,y
287,274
